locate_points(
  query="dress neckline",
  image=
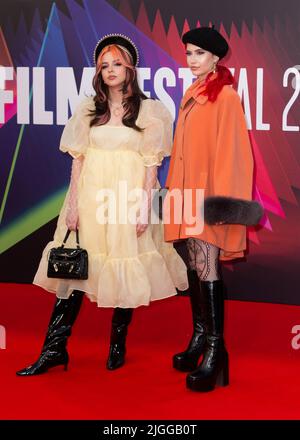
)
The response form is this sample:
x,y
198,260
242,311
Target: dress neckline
x,y
113,126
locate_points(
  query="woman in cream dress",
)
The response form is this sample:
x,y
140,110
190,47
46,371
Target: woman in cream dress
x,y
114,159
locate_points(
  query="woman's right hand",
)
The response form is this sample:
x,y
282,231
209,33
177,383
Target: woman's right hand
x,y
72,219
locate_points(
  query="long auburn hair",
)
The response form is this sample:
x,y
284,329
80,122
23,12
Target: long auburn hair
x,y
213,87
132,94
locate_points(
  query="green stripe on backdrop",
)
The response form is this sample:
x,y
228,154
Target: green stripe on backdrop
x,y
21,132
31,221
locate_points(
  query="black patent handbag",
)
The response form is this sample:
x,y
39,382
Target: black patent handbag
x,y
68,263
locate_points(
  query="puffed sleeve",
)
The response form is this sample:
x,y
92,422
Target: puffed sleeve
x,y
156,139
75,135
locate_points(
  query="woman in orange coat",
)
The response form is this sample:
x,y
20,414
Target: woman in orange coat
x,y
212,153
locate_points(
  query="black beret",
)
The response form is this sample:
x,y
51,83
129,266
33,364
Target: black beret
x,y
120,40
207,38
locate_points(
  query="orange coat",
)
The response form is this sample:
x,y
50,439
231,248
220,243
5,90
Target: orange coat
x,y
211,151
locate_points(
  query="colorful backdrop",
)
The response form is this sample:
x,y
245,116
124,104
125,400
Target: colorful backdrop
x,y
46,68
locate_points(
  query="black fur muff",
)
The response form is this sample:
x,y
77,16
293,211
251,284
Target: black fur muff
x,y
228,210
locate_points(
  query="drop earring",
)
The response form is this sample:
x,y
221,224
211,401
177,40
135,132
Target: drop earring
x,y
215,68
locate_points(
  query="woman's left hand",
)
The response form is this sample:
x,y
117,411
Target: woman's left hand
x,y
145,210
142,219
140,228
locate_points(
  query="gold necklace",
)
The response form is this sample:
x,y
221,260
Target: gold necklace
x,y
115,108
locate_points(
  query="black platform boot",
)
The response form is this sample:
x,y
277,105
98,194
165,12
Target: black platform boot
x,y
120,321
188,359
54,350
214,366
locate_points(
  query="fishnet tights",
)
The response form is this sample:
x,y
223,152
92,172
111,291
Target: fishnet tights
x,y
204,258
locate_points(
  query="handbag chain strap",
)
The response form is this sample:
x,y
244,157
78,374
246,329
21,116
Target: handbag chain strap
x,y
67,236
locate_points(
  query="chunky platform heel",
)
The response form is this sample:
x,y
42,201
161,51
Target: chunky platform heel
x,y
214,367
188,360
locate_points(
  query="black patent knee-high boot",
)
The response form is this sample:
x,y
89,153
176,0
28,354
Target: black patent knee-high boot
x,y
188,359
54,350
214,366
117,350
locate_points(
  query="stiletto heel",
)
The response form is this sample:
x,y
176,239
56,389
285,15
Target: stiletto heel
x,y
54,352
117,349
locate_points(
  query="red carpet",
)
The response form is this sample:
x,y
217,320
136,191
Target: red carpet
x,y
264,369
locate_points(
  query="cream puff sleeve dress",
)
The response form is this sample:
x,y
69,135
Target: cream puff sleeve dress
x,y
124,270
